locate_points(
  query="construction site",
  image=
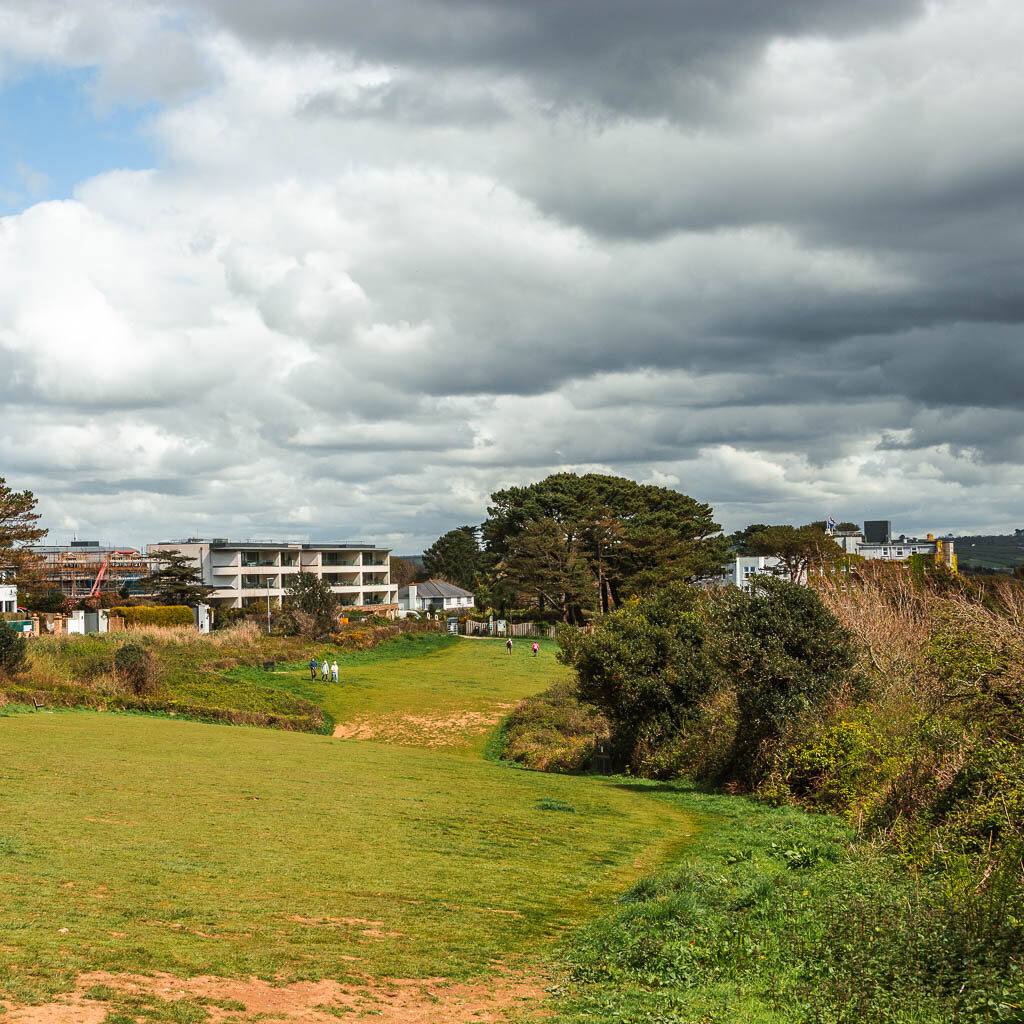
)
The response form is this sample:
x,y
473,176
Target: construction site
x,y
84,569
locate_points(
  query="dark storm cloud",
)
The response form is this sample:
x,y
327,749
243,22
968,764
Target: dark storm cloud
x,y
652,57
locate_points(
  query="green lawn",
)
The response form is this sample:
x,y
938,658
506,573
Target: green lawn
x,y
177,846
422,689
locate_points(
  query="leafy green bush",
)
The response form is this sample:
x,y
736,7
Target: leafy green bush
x,y
12,650
155,615
646,667
785,654
136,666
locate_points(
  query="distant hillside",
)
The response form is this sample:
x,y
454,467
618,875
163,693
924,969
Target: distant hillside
x,y
990,552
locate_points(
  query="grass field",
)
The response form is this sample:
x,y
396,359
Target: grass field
x,y
134,844
421,689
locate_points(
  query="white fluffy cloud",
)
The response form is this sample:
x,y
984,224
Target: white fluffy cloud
x,y
377,274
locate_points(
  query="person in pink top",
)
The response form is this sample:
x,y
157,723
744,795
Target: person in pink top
x,y
536,648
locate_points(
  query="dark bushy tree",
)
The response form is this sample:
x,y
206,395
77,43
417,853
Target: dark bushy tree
x,y
178,581
18,528
784,653
631,536
542,564
740,540
455,557
13,650
311,607
136,666
646,666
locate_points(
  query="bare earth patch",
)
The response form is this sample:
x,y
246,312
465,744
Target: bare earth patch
x,y
395,1000
422,730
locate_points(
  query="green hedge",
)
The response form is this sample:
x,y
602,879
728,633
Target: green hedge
x,y
156,615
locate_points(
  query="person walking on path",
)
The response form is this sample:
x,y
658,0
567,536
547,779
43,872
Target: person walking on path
x,y
536,648
334,671
508,645
312,668
325,670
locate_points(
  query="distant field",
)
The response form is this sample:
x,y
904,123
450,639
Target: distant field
x,y
137,844
989,552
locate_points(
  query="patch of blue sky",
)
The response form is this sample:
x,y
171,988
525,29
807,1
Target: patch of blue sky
x,y
53,136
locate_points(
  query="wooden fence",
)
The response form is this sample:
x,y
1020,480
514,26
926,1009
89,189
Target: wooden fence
x,y
528,629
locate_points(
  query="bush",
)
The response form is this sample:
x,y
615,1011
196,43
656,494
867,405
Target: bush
x,y
645,667
786,654
136,666
49,601
554,731
156,615
12,650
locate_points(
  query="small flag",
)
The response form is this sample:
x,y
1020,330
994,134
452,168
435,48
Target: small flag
x,y
831,525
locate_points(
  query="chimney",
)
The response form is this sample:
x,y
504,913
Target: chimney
x,y
412,597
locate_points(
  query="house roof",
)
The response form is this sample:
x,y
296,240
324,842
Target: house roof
x,y
435,588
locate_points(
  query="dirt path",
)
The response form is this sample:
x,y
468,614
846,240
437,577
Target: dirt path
x,y
423,730
395,1000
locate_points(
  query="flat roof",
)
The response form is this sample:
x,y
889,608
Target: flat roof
x,y
282,545
84,549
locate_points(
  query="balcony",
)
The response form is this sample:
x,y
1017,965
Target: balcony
x,y
332,561
260,583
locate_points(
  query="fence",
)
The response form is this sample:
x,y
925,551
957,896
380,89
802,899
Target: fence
x,y
499,627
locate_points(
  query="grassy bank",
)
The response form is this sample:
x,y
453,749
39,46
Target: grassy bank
x,y
774,916
191,679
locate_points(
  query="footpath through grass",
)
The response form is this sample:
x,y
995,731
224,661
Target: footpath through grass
x,y
423,689
133,844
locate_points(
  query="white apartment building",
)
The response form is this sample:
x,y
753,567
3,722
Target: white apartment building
x,y
246,573
8,594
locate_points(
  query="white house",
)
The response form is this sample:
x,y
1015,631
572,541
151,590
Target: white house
x,y
743,567
8,594
245,573
432,596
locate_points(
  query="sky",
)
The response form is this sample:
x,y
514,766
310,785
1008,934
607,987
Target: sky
x,y
330,270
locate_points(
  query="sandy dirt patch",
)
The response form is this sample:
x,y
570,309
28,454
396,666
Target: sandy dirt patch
x,y
422,730
394,1000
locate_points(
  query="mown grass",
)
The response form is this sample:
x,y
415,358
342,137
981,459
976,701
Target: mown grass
x,y
203,849
411,685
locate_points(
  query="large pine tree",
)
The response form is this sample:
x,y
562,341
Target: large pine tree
x,y
18,519
177,581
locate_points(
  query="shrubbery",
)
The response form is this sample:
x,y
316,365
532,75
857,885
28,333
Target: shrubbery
x,y
12,650
135,665
155,615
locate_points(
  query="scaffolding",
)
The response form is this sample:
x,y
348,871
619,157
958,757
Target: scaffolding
x,y
85,568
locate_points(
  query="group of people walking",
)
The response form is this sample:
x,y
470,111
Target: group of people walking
x,y
535,648
326,671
